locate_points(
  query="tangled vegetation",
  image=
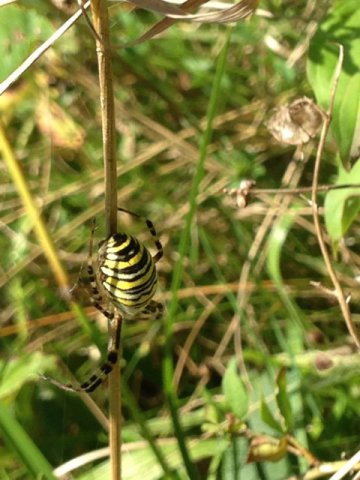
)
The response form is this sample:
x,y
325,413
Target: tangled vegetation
x,y
237,135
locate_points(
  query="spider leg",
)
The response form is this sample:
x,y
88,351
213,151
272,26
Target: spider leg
x,y
152,230
112,357
153,310
78,280
96,379
96,299
95,296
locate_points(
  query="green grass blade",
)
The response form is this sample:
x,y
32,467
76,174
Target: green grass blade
x,y
275,248
168,368
23,446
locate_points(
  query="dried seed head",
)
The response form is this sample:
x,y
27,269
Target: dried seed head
x,y
297,122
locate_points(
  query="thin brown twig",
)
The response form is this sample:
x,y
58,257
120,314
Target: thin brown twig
x,y
339,293
290,191
103,49
87,19
185,352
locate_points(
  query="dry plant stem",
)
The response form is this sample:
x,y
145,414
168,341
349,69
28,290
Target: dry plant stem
x,y
89,402
103,49
339,293
87,19
291,191
184,355
40,51
349,465
65,470
327,468
115,417
302,451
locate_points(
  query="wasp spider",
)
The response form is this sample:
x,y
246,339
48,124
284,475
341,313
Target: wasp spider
x,y
123,283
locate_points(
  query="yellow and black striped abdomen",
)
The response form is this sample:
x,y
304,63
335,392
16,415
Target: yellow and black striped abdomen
x,y
127,273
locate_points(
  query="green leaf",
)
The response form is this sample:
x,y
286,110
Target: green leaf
x,y
341,26
268,418
21,31
275,247
233,465
342,205
16,372
235,393
283,401
22,444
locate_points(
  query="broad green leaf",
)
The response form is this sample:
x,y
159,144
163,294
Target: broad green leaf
x,y
342,205
235,393
268,418
341,26
283,401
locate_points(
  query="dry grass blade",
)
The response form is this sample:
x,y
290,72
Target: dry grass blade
x,y
80,461
164,24
16,74
236,12
349,465
3,3
159,6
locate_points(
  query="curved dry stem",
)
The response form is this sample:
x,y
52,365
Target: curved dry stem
x,y
339,293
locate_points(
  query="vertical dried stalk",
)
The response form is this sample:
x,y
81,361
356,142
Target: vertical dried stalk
x,y
319,232
101,25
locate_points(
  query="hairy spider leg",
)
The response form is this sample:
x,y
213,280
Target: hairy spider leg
x,y
151,228
96,379
112,357
96,299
